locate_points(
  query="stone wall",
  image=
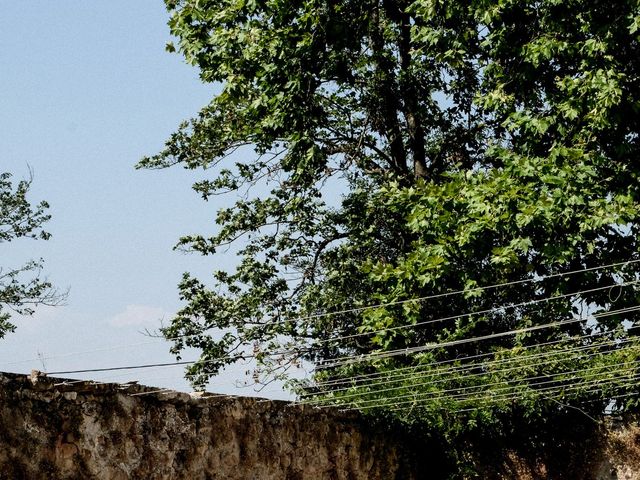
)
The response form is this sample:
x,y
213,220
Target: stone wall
x,y
52,430
88,431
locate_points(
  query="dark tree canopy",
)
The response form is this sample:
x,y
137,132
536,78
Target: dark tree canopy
x,y
386,150
22,287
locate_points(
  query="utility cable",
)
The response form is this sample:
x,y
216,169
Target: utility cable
x,y
508,396
453,317
558,399
357,309
368,379
479,312
350,359
450,395
447,294
403,351
373,375
439,374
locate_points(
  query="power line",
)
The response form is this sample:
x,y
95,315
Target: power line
x,y
458,389
509,385
85,352
374,379
488,403
440,374
447,294
123,385
384,354
479,312
506,396
173,364
357,309
608,398
373,375
349,359
390,379
576,386
454,317
128,367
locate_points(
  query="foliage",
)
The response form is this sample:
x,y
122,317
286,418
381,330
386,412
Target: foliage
x,y
22,288
386,150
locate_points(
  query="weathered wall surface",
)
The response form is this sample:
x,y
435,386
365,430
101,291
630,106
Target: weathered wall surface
x,y
611,452
84,431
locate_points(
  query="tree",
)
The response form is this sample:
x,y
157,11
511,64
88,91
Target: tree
x,y
407,150
22,288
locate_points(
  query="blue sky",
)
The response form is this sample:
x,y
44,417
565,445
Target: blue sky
x,y
87,90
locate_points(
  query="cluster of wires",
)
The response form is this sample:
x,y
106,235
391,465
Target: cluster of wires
x,y
598,365
562,371
601,365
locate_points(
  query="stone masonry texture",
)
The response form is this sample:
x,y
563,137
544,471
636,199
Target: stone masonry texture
x,y
102,431
52,429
